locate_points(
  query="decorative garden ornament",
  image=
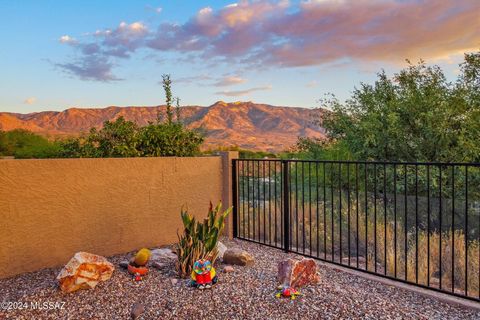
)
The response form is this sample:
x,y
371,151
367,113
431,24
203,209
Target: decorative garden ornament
x,y
287,292
203,275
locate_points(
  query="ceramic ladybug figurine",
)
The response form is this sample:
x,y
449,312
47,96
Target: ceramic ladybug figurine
x,y
203,275
287,292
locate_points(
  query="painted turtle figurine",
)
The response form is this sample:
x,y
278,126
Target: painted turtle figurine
x,y
287,292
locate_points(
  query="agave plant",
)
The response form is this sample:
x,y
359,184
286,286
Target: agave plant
x,y
199,239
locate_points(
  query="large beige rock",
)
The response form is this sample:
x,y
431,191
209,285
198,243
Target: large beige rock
x,y
221,250
297,273
84,271
237,256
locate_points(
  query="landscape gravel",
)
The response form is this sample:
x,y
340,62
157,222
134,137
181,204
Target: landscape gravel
x,y
246,293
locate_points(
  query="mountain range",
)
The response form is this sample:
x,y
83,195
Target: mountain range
x,y
248,125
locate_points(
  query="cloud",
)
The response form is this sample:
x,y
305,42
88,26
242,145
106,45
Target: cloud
x,y
229,81
312,84
90,68
67,39
30,100
194,79
208,80
245,92
265,33
157,10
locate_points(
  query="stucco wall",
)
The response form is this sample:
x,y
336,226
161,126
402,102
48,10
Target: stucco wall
x,y
50,209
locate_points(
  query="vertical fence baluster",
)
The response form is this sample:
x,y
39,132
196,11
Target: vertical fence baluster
x,y
466,234
286,206
264,204
281,205
248,198
296,206
453,228
375,216
440,218
236,200
333,215
270,202
317,191
243,197
428,225
385,219
310,202
348,210
357,208
340,208
405,240
395,219
303,207
259,211
324,212
366,218
416,224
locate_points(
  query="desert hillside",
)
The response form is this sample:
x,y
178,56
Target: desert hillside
x,y
245,124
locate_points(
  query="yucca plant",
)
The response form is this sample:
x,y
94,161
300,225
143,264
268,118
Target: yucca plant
x,y
199,240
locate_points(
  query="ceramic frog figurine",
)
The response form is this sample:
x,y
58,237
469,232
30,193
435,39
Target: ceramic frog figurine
x,y
203,275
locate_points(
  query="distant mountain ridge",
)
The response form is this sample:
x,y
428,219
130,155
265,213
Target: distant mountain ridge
x,y
247,125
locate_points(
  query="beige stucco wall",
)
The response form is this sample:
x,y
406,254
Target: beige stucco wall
x,y
50,209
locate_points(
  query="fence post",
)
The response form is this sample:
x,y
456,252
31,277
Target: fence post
x,y
235,199
227,196
286,206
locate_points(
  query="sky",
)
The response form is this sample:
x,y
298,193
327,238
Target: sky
x,y
60,54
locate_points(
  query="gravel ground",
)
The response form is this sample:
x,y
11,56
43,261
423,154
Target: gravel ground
x,y
247,293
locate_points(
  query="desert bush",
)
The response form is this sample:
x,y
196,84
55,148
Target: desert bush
x,y
23,144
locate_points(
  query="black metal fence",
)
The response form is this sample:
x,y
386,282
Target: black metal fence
x,y
414,222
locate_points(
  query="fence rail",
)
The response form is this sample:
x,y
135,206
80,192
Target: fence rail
x,y
414,222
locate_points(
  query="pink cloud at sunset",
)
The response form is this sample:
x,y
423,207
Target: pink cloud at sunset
x,y
308,33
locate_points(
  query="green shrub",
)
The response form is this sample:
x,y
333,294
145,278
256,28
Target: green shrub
x,y
199,239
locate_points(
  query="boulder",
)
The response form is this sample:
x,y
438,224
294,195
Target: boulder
x,y
221,250
238,256
163,255
84,271
137,310
123,264
297,273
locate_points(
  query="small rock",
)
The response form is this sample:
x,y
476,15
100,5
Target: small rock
x,y
174,281
123,264
157,265
297,273
228,269
221,250
137,310
238,256
84,271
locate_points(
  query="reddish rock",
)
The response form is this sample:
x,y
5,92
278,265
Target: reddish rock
x,y
297,273
84,271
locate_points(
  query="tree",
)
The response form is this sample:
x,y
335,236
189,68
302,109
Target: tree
x,y
122,138
417,115
168,137
24,144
